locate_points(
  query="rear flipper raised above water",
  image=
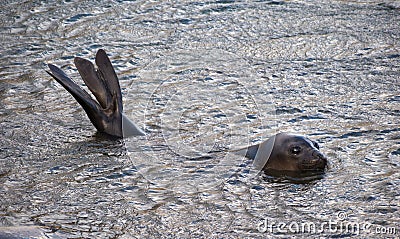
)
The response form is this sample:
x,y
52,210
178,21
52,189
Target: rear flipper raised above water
x,y
105,113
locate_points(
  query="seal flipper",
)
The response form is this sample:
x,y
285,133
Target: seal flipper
x,y
106,114
104,85
77,92
109,78
91,107
107,74
93,82
107,120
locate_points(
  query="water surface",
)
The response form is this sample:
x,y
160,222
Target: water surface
x,y
202,78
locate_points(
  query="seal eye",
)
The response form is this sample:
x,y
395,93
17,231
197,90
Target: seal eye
x,y
296,150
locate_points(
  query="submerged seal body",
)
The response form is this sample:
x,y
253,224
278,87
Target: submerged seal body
x,y
105,113
286,152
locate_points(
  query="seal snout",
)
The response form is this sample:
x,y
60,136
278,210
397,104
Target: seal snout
x,y
318,160
318,155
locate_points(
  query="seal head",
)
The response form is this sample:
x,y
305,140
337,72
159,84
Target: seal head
x,y
295,153
287,152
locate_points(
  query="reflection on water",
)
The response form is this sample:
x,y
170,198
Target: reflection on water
x,y
201,78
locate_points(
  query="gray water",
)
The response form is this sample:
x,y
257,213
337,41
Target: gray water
x,y
202,78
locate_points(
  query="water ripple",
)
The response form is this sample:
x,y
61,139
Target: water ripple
x,y
236,71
